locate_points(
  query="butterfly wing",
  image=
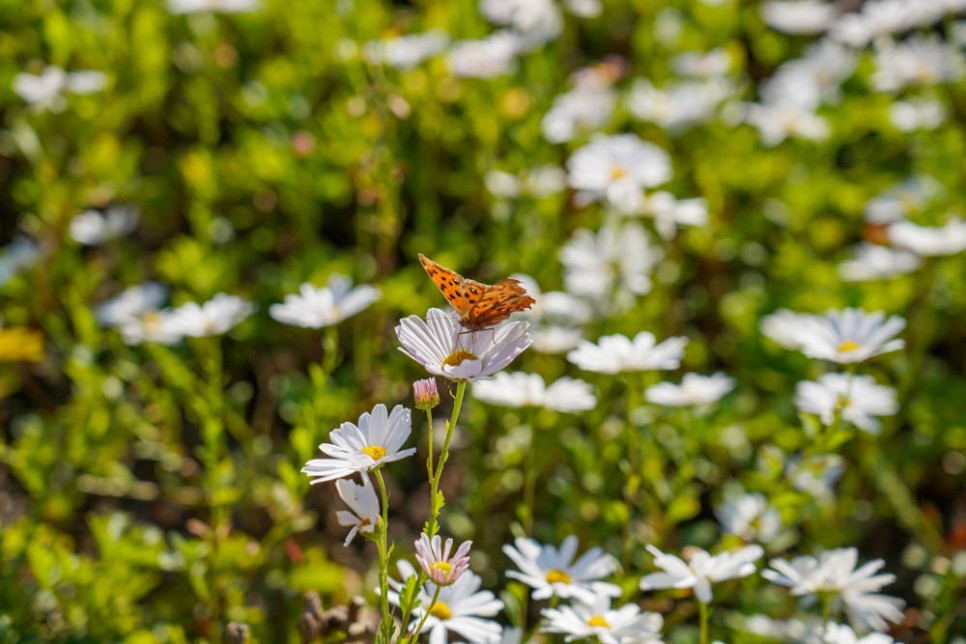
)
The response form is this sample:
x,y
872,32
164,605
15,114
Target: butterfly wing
x,y
451,284
497,303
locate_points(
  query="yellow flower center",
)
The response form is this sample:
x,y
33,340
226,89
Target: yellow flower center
x,y
848,345
442,566
440,611
456,358
557,576
617,173
151,319
375,452
598,620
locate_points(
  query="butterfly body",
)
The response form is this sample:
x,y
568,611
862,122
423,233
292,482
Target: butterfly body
x,y
479,305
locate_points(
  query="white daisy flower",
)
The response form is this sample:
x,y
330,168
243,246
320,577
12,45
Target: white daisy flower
x,y
375,441
495,55
541,181
817,475
445,349
131,304
584,8
216,316
576,112
701,570
851,335
903,200
618,169
670,212
917,114
608,625
554,573
833,633
364,506
874,262
677,106
537,21
162,327
46,90
520,389
834,572
812,80
775,123
799,16
918,60
459,609
19,254
92,227
617,257
694,390
702,64
750,517
853,398
618,353
928,241
315,307
405,52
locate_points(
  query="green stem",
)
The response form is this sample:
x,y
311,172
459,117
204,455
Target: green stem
x,y
436,503
422,621
705,613
386,627
826,608
330,348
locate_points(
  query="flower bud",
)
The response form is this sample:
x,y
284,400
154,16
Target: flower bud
x,y
426,394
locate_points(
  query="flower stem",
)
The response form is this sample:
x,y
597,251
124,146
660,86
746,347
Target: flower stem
x,y
386,625
436,503
422,620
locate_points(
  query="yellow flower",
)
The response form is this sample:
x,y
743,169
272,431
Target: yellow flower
x,y
21,344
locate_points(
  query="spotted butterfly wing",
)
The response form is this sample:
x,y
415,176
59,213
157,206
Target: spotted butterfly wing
x,y
479,305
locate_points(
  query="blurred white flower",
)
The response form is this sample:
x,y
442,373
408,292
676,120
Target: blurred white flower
x,y
216,316
131,304
929,241
46,90
314,307
459,608
405,52
775,123
617,169
874,262
537,21
577,112
604,624
853,398
784,327
541,181
918,60
677,105
917,114
433,556
812,80
92,227
833,633
750,517
214,6
584,8
903,200
554,573
520,389
618,353
512,635
375,441
701,570
694,390
834,572
618,257
817,475
850,335
364,506
799,16
152,326
884,17
19,254
495,55
670,212
445,349
697,64
554,318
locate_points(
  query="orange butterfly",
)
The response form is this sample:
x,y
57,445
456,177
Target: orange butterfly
x,y
479,305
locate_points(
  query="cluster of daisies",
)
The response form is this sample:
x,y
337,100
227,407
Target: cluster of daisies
x,y
447,599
